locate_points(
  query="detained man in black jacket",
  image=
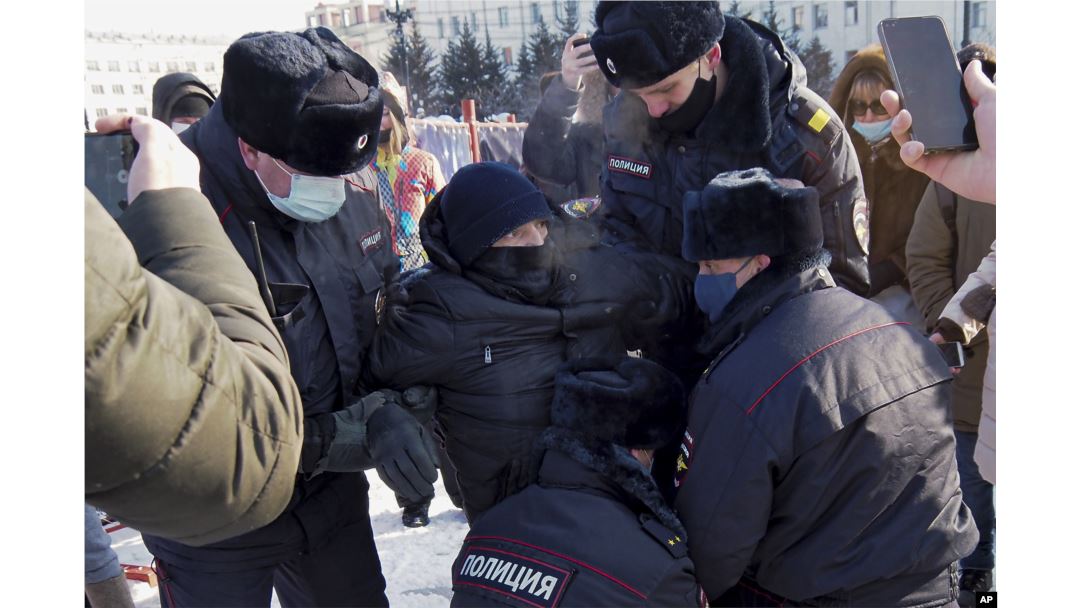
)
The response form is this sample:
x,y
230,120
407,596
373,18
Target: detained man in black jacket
x,y
512,291
818,465
594,529
283,154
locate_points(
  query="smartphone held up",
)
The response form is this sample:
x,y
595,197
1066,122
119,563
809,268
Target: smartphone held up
x,y
108,159
928,80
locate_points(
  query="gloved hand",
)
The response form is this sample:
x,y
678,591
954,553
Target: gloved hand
x,y
420,401
649,322
402,458
337,442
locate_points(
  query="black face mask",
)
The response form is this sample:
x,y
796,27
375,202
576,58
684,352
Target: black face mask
x,y
384,136
530,271
693,111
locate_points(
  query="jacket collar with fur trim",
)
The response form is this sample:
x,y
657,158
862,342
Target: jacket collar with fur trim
x,y
572,462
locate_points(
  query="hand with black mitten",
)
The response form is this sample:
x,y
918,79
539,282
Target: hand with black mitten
x,y
402,458
649,322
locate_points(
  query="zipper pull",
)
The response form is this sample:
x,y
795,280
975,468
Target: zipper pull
x,y
487,354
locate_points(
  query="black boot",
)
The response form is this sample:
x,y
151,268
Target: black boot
x,y
415,516
972,582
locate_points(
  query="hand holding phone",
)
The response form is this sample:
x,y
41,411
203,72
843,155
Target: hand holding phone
x,y
953,353
969,174
927,77
577,60
162,161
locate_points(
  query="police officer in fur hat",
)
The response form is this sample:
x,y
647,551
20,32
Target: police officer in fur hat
x,y
594,529
703,93
818,464
284,155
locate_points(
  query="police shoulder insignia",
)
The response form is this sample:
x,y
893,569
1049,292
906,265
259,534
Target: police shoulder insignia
x,y
819,120
674,543
581,208
686,455
860,218
511,577
814,115
630,166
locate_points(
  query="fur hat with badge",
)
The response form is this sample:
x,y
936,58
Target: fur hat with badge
x,y
304,98
746,212
641,43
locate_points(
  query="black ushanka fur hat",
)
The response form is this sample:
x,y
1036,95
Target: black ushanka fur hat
x,y
744,213
641,43
304,98
630,402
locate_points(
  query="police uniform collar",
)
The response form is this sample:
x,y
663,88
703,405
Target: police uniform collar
x,y
758,298
741,119
615,472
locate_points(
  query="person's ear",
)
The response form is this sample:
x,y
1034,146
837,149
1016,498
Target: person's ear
x,y
713,56
248,153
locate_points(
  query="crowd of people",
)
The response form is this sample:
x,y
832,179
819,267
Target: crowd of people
x,y
685,356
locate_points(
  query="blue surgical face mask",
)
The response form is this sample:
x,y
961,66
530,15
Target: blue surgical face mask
x,y
714,292
311,198
873,132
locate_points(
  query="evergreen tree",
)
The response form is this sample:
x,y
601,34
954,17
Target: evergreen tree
x,y
541,54
568,22
460,72
497,94
422,78
472,71
735,9
819,65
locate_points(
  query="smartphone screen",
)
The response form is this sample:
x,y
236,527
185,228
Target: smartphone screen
x,y
927,77
953,352
108,160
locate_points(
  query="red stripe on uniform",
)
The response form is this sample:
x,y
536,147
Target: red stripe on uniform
x,y
814,156
811,355
221,218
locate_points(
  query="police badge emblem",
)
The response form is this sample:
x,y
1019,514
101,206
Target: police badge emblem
x,y
860,218
581,208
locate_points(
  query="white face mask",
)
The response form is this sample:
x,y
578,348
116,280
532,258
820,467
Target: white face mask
x,y
311,198
180,127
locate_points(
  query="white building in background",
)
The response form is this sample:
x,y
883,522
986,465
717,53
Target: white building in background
x,y
121,69
843,27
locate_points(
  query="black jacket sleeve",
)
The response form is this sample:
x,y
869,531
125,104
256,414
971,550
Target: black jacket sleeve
x,y
414,341
545,150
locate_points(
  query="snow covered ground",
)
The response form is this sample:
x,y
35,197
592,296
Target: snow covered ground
x,y
415,561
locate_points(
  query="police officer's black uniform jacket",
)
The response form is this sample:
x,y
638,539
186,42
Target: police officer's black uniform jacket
x,y
325,279
766,117
593,531
819,460
493,354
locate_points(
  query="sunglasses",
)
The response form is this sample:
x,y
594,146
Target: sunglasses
x,y
858,107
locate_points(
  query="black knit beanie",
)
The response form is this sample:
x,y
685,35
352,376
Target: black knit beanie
x,y
485,201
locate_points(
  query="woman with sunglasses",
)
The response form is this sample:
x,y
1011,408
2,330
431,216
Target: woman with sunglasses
x,y
893,189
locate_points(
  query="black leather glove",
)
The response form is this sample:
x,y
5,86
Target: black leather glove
x,y
402,457
337,441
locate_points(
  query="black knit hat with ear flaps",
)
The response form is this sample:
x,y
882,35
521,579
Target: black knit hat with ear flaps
x,y
306,99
